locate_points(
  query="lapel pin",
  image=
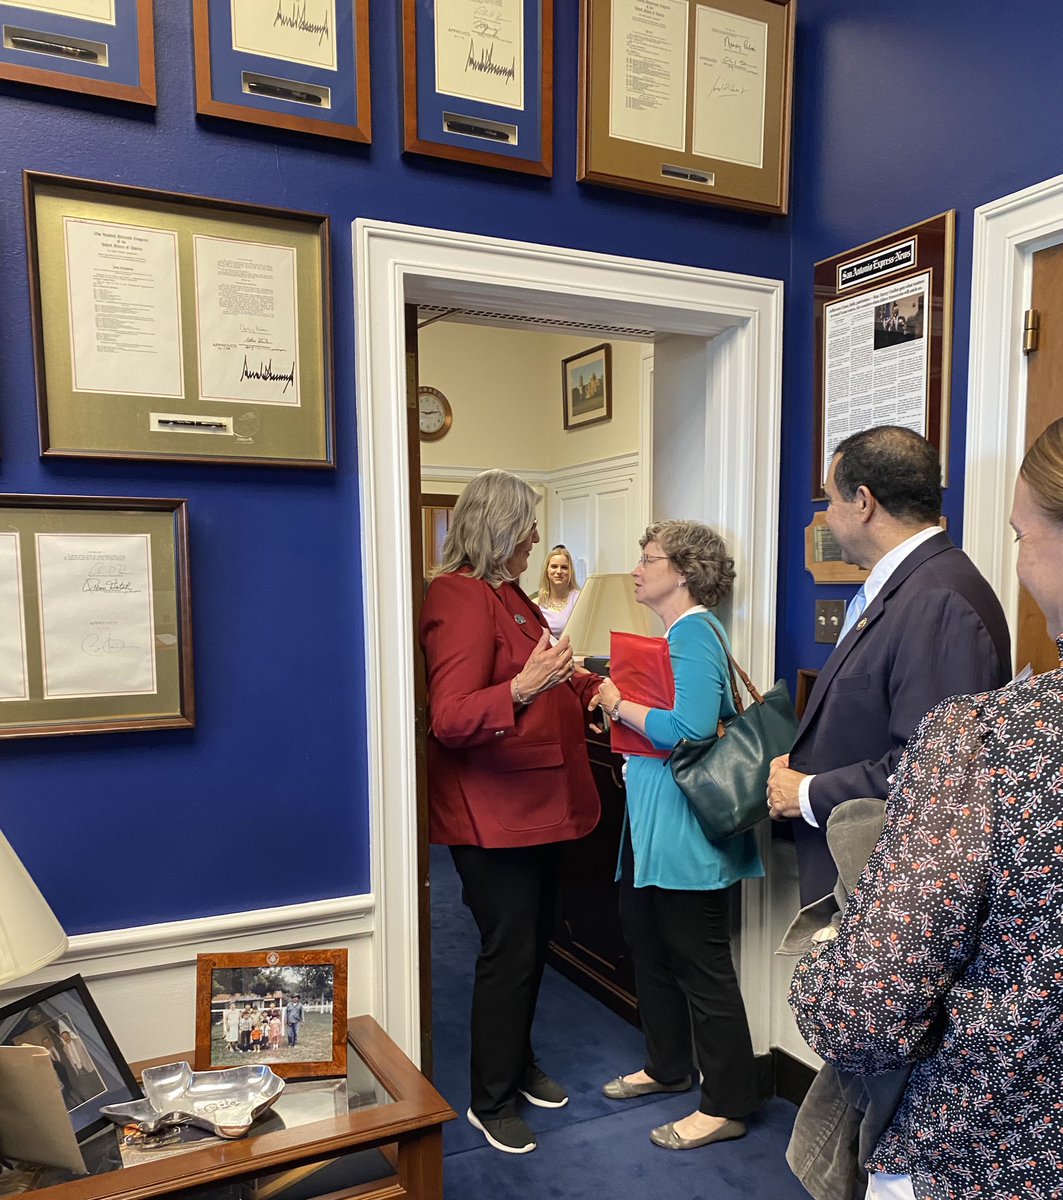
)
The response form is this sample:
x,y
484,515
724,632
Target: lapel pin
x,y
861,623
518,618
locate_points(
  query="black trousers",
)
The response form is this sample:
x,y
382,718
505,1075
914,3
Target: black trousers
x,y
687,985
513,897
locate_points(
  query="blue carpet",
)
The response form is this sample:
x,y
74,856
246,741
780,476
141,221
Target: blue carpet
x,y
593,1149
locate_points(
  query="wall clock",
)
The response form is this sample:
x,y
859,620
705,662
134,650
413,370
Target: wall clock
x,y
434,413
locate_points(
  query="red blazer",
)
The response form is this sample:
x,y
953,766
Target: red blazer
x,y
499,777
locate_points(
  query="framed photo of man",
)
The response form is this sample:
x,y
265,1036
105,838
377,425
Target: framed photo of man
x,y
285,1008
63,1019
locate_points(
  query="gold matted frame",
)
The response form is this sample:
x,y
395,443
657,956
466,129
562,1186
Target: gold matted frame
x,y
95,592
890,303
268,982
284,92
114,58
708,119
121,281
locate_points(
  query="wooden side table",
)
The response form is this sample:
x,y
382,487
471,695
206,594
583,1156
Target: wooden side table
x,y
391,1139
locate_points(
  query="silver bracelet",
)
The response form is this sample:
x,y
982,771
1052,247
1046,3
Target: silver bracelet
x,y
614,714
516,692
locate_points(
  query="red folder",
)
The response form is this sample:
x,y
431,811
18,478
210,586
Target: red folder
x,y
641,667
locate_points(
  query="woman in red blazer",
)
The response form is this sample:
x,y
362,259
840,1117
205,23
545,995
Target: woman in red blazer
x,y
508,780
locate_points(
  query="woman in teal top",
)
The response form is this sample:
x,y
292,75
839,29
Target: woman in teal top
x,y
673,880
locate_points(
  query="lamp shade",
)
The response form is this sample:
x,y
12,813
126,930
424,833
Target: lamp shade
x,y
30,936
605,603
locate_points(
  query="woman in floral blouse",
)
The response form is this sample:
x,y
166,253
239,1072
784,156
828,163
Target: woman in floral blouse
x,y
950,952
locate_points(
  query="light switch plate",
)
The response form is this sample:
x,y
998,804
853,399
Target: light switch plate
x,y
829,617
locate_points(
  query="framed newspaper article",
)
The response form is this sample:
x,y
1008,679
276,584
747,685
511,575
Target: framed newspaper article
x,y
883,352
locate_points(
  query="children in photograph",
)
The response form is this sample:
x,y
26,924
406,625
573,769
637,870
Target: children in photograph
x,y
275,1031
245,1029
256,1037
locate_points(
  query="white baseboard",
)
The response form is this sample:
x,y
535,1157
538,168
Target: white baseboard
x,y
144,978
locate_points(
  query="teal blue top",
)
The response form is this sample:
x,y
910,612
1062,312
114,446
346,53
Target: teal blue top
x,y
670,849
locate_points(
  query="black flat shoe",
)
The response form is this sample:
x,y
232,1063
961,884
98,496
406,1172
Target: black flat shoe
x,y
508,1134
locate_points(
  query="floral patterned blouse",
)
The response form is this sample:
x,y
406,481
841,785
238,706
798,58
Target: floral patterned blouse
x,y
950,951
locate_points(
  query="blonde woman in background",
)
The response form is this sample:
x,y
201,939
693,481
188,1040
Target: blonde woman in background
x,y
558,589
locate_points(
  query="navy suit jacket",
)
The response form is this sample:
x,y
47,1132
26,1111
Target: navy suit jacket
x,y
936,629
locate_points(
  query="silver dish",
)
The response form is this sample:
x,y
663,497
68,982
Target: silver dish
x,y
225,1102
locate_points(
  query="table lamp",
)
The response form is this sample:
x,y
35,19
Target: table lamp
x,y
30,936
605,603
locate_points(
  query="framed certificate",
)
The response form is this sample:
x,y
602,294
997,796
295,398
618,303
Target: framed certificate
x,y
96,628
478,81
98,47
688,98
884,339
293,64
176,327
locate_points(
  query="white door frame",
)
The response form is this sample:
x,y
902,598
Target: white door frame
x,y
1007,234
400,264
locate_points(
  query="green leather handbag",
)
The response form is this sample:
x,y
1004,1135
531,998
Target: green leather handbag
x,y
724,777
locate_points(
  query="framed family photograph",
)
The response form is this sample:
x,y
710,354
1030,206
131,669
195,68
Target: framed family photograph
x,y
171,326
64,1021
95,615
587,386
285,1008
94,47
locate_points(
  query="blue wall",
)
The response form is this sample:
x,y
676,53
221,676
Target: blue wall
x,y
265,801
901,113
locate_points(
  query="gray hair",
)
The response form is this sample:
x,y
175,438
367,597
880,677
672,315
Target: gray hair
x,y
494,512
699,554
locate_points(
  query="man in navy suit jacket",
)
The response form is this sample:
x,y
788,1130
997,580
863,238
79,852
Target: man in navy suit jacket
x,y
930,627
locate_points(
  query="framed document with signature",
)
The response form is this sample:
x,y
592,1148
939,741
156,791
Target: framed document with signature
x,y
688,98
292,64
95,622
176,327
96,47
478,81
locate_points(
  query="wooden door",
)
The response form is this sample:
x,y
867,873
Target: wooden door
x,y
1044,403
436,512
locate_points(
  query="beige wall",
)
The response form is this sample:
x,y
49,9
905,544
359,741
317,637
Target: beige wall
x,y
504,387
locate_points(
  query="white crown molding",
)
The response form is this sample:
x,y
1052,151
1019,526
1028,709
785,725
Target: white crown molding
x,y
615,466
1007,233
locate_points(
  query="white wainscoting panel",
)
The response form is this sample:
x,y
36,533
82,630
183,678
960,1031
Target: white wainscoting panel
x,y
144,979
596,511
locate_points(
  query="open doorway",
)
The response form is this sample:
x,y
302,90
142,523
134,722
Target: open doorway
x,y
718,433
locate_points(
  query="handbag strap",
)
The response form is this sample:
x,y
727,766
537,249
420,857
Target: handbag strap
x,y
732,667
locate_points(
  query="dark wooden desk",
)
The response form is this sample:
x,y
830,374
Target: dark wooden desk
x,y
588,946
404,1125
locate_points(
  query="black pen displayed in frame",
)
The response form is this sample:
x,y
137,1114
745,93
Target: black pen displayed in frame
x,y
292,64
477,81
99,47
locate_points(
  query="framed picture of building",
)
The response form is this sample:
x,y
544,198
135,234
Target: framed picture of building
x,y
587,387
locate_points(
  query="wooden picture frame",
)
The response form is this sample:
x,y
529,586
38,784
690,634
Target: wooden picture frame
x,y
64,1019
273,982
93,47
706,116
460,103
215,342
587,387
888,305
96,601
289,70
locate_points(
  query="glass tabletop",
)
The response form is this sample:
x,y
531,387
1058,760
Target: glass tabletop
x,y
302,1102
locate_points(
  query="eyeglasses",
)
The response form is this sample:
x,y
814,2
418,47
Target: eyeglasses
x,y
646,559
